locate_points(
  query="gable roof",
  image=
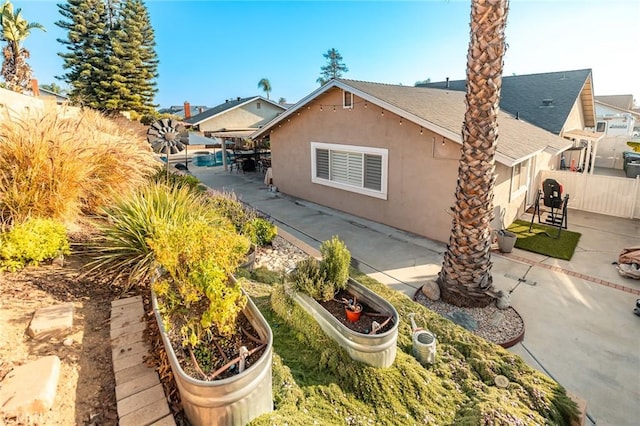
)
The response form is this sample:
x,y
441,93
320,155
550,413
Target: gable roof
x,y
544,99
58,96
441,111
636,114
624,102
227,106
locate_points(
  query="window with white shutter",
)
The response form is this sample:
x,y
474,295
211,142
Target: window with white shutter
x,y
352,168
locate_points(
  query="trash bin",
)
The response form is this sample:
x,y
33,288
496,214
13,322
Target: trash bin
x,y
506,240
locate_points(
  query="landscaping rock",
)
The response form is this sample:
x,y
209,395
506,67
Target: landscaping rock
x,y
30,389
463,319
504,300
52,321
431,289
497,319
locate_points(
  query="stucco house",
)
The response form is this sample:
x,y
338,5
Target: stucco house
x,y
235,118
390,154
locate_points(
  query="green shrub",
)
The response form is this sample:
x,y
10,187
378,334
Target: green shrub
x,y
228,205
123,249
260,231
175,179
336,260
195,294
309,278
31,242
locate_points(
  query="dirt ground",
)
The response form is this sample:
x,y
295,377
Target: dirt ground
x,y
86,389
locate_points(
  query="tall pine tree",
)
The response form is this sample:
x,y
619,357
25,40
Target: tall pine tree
x,y
87,49
111,61
134,45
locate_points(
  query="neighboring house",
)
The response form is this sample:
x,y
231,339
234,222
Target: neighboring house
x,y
623,102
59,98
391,153
561,102
184,111
236,119
620,125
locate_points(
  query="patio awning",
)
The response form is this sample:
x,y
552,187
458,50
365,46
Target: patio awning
x,y
586,135
233,133
196,139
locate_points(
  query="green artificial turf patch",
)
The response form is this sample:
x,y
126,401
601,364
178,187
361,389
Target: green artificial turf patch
x,y
540,239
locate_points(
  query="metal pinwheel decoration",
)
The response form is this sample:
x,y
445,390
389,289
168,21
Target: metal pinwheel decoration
x,y
167,136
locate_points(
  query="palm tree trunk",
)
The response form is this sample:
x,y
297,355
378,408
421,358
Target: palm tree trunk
x,y
465,278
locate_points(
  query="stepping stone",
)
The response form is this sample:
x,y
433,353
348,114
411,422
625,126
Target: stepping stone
x,y
30,389
52,321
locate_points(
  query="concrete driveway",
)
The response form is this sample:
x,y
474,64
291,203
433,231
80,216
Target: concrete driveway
x,y
580,328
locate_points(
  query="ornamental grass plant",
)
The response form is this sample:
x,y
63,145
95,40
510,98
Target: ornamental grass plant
x,y
123,249
59,166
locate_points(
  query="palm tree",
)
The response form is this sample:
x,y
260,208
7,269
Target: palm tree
x,y
265,85
15,29
465,278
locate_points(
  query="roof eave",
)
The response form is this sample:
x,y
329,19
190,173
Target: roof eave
x,y
456,137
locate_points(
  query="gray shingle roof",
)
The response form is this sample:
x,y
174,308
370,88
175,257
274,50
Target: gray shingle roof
x,y
218,109
443,112
618,101
524,95
517,139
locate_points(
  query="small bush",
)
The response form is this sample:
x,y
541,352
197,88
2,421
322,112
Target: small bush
x,y
336,260
309,278
195,292
175,179
260,231
228,205
31,242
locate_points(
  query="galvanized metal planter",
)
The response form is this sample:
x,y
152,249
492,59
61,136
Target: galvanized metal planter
x,y
378,350
232,401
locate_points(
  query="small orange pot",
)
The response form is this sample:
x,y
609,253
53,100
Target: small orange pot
x,y
353,316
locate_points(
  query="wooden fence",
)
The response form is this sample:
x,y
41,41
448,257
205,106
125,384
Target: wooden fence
x,y
614,196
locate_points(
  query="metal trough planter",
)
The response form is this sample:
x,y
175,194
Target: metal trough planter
x,y
377,350
233,401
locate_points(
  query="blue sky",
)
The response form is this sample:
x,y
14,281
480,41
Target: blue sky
x,y
210,51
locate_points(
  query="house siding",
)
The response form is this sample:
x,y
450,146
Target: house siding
x,y
575,120
422,171
246,116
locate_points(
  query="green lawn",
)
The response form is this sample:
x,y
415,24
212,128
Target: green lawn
x,y
315,381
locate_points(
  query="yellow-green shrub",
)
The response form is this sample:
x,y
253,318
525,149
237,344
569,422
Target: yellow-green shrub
x,y
260,231
31,242
195,293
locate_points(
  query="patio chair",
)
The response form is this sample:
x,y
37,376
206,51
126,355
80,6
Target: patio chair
x,y
552,198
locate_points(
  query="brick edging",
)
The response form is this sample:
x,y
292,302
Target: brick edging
x,y
554,268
